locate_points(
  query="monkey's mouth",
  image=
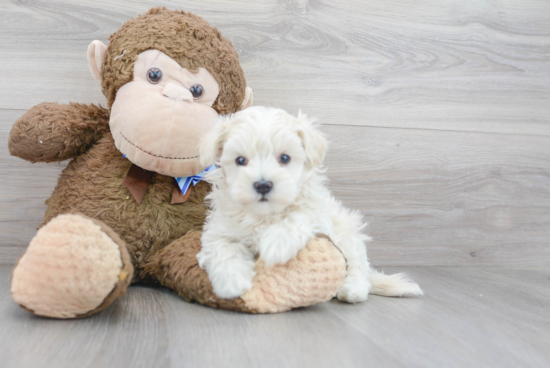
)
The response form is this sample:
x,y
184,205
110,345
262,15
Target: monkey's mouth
x,y
158,156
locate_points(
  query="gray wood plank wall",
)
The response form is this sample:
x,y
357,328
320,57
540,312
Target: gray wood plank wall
x,y
438,112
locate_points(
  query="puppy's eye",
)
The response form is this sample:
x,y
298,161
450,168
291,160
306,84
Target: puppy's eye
x,y
196,90
284,159
154,75
241,161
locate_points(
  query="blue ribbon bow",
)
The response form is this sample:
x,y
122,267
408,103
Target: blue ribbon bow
x,y
185,182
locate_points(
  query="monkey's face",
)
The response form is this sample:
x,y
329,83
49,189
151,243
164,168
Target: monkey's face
x,y
158,118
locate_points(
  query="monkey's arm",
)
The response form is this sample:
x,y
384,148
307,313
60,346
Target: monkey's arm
x,y
52,132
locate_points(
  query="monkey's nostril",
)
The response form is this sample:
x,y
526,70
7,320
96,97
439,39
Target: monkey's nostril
x,y
263,187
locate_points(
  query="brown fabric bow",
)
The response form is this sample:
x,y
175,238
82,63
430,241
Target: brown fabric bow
x,y
137,181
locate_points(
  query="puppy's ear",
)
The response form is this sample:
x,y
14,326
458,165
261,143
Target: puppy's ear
x,y
315,143
212,143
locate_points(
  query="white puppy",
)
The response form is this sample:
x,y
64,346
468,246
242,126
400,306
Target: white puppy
x,y
269,197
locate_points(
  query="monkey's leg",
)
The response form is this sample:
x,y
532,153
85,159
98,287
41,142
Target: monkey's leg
x,y
74,267
314,276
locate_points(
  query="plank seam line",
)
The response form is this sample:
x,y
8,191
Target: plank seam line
x,y
438,130
394,127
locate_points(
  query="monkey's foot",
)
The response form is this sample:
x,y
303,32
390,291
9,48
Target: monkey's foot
x,y
314,276
74,267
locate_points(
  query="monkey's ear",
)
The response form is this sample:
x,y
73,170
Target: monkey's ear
x,y
315,143
96,54
212,143
248,97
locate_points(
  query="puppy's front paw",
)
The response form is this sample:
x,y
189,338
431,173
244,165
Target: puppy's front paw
x,y
278,247
354,290
232,278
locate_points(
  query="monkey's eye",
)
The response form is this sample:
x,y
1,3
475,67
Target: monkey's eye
x,y
196,90
284,159
241,161
154,75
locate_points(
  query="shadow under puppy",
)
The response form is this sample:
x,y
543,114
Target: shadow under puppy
x,y
270,197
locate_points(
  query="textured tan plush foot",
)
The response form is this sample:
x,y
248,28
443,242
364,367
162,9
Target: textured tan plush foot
x,y
314,276
74,266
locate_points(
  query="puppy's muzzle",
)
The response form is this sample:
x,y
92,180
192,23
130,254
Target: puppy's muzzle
x,y
263,187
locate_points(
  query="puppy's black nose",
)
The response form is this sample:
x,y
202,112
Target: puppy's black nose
x,y
263,187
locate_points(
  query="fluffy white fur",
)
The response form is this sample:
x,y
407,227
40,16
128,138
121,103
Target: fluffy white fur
x,y
277,225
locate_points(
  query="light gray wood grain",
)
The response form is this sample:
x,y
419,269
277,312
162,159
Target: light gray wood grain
x,y
452,65
446,198
422,81
469,317
482,317
431,197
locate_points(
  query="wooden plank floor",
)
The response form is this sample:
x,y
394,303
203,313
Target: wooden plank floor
x,y
468,200
438,114
437,111
469,317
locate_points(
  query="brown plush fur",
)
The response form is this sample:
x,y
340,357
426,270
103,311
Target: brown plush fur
x,y
188,39
316,273
92,184
51,132
161,238
176,267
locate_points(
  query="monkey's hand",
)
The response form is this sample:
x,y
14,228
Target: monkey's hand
x,y
52,132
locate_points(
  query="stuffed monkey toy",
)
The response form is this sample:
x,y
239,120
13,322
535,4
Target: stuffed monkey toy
x,y
119,214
